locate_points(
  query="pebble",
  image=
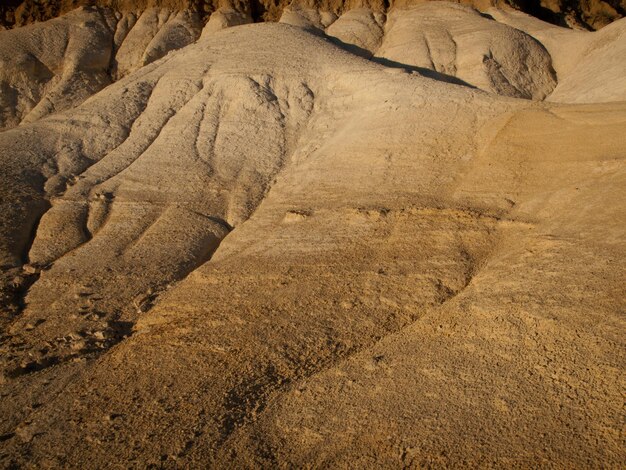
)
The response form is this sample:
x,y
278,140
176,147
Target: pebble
x,y
30,269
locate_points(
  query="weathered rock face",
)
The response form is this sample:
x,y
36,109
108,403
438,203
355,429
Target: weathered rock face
x,y
590,14
48,67
458,41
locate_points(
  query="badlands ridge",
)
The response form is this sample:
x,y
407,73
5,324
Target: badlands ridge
x,y
367,236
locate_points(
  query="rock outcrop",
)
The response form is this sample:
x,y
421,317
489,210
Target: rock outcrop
x,y
588,14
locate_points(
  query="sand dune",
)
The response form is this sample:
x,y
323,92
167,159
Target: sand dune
x,y
339,240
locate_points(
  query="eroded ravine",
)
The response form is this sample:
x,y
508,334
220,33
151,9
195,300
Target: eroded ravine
x,y
125,226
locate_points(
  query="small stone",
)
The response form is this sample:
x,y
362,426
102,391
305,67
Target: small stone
x,y
30,269
99,335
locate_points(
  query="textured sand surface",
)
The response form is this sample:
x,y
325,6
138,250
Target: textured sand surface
x,y
342,240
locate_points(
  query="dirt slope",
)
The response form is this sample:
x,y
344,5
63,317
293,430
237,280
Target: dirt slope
x,y
244,255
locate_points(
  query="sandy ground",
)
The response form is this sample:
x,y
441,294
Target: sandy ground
x,y
278,248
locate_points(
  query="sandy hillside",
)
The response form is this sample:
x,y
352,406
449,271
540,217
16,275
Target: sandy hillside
x,y
356,237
